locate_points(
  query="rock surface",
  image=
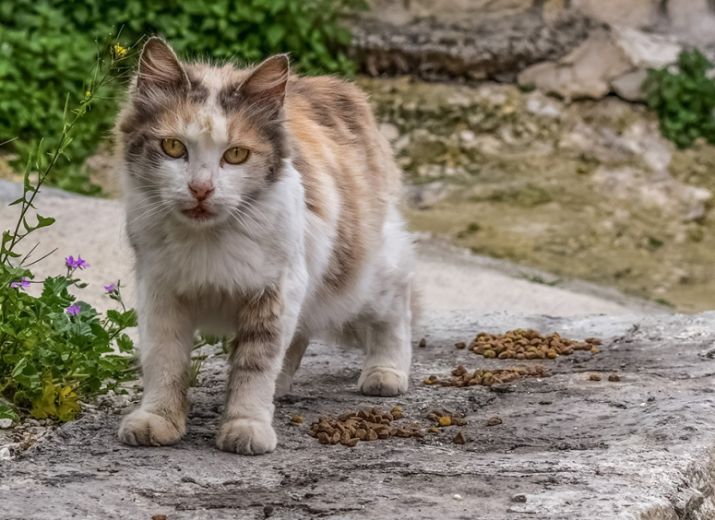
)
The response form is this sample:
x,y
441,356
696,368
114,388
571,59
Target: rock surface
x,y
574,48
610,60
566,448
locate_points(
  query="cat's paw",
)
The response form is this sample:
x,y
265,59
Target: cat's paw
x,y
142,428
246,437
382,381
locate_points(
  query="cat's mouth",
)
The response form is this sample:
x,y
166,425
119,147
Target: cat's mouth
x,y
198,213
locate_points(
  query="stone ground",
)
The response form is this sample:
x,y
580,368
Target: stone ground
x,y
567,448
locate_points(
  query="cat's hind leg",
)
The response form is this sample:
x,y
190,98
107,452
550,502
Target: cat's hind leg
x,y
386,335
291,362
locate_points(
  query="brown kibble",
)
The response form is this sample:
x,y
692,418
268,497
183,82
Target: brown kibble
x,y
397,412
323,438
614,378
422,343
595,350
158,517
433,429
594,377
459,438
445,420
494,421
459,371
335,437
460,345
462,377
350,442
297,419
371,435
527,344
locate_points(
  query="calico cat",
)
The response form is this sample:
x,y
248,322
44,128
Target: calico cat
x,y
266,205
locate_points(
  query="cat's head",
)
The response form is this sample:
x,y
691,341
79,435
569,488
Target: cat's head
x,y
202,141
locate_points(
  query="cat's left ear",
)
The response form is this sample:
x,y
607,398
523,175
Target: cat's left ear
x,y
267,82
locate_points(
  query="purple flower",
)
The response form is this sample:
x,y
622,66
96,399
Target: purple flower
x,y
20,284
73,310
76,263
109,289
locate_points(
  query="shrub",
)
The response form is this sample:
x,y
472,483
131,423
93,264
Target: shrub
x,y
684,98
46,47
54,349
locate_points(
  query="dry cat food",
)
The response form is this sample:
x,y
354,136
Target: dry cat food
x,y
443,418
529,344
613,378
463,377
459,438
494,421
368,424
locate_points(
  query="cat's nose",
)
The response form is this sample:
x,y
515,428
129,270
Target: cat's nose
x,y
201,190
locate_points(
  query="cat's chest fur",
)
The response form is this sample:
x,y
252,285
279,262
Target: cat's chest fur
x,y
230,259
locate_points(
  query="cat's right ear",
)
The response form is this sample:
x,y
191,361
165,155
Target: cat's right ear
x,y
159,67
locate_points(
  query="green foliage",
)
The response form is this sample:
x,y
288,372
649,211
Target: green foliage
x,y
684,99
46,47
54,349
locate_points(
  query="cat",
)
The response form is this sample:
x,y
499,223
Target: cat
x,y
265,204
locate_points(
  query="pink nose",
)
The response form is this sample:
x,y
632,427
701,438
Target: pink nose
x,y
201,190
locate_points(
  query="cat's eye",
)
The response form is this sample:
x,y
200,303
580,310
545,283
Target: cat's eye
x,y
235,155
173,148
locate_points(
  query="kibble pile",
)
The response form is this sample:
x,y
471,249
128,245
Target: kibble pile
x,y
463,377
528,344
363,425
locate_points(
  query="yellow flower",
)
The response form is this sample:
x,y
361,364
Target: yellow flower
x,y
87,93
119,51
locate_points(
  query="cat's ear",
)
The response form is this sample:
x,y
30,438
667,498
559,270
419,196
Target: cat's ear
x,y
159,67
266,83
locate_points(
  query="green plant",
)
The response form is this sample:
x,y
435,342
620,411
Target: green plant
x,y
55,349
684,98
46,47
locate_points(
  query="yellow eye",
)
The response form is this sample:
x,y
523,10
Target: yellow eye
x,y
235,155
173,148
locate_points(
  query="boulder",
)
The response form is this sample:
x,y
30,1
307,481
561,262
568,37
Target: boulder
x,y
610,60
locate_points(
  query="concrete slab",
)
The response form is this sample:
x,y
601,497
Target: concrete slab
x,y
568,448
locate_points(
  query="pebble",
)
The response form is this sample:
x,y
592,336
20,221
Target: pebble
x,y
5,453
5,423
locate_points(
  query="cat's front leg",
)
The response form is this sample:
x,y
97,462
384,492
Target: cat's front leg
x,y
165,335
262,332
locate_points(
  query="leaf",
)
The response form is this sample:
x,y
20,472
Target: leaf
x,y
275,34
7,412
44,406
68,407
44,221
